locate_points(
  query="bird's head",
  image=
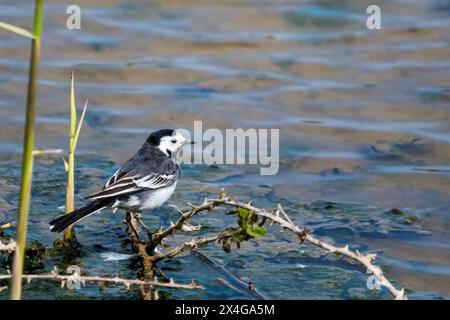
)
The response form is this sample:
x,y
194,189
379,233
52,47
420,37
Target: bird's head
x,y
168,141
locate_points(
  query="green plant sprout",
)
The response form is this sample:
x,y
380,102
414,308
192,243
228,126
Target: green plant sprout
x,y
74,132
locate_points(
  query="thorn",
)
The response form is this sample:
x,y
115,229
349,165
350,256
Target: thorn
x,y
400,295
191,205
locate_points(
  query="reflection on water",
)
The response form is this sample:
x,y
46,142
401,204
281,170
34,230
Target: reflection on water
x,y
363,118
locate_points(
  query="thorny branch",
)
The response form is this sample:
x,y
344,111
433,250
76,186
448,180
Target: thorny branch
x,y
304,235
194,243
277,216
180,225
116,280
150,257
146,249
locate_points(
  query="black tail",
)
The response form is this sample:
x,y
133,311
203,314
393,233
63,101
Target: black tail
x,y
62,222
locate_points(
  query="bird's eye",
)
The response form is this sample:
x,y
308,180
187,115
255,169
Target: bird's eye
x,y
174,140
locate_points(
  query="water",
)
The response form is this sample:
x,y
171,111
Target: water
x,y
363,118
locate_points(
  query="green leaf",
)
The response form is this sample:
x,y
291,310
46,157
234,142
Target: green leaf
x,y
17,30
77,131
243,213
256,231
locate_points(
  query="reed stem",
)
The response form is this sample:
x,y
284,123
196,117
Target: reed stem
x,y
27,157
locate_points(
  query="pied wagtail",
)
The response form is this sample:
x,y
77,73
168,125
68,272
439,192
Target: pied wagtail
x,y
144,182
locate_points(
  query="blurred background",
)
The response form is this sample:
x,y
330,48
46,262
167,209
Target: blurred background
x,y
364,125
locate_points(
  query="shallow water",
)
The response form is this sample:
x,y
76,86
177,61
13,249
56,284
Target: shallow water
x,y
363,118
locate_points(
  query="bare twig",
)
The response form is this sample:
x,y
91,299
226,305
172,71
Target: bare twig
x,y
126,282
194,243
47,151
6,226
180,224
3,288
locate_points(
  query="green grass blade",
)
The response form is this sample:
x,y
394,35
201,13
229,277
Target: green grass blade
x,y
73,110
17,30
80,124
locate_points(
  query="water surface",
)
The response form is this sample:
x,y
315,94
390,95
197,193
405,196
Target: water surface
x,y
363,118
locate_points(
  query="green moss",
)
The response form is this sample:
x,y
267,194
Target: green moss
x,y
395,212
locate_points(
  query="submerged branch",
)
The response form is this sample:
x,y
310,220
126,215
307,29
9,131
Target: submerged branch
x,y
246,288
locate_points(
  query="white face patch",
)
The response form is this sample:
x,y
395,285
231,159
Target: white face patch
x,y
172,144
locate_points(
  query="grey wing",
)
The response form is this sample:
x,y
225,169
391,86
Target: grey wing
x,y
123,183
117,175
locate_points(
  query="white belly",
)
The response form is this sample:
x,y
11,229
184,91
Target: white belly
x,y
150,199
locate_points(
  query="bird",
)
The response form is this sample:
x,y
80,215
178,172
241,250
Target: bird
x,y
144,182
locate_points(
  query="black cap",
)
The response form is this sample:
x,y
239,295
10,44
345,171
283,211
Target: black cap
x,y
155,138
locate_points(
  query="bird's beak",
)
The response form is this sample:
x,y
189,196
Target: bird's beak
x,y
190,142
